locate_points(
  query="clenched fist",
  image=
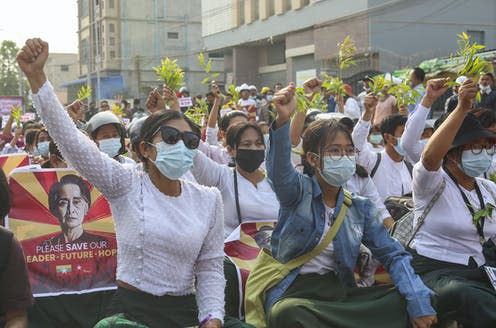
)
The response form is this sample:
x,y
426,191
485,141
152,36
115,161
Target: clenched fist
x,y
31,59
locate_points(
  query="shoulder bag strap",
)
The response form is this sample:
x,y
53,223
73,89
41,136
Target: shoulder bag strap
x,y
376,166
300,260
421,219
236,194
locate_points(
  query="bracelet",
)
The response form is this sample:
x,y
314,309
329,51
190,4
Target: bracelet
x,y
204,321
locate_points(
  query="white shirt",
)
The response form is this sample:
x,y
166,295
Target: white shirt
x,y
410,140
323,262
352,108
247,103
391,178
257,203
166,245
365,187
448,233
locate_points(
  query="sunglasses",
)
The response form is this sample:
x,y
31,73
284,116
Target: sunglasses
x,y
172,135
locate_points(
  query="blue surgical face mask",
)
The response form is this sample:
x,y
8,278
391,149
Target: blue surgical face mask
x,y
375,139
110,146
337,172
423,142
175,160
43,148
398,147
475,165
269,97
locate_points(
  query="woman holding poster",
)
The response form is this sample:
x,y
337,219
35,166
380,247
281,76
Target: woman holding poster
x,y
168,250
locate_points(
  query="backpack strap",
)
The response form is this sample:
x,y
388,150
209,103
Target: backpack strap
x,y
236,194
5,245
376,166
421,219
409,166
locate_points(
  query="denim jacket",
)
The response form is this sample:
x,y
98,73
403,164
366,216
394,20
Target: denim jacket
x,y
301,224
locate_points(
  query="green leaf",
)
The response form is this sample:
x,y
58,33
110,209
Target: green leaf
x,y
170,74
478,97
16,113
346,52
83,93
205,80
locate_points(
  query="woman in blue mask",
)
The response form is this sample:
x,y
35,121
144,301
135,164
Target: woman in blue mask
x,y
169,231
322,292
109,135
457,237
42,142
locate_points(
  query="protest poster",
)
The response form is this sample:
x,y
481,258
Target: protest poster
x,y
7,102
11,161
243,246
185,102
66,231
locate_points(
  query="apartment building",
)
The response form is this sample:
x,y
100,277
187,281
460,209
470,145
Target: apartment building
x,y
268,41
121,40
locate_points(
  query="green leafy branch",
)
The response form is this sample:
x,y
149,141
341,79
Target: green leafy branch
x,y
377,85
473,66
117,110
334,85
346,52
83,93
486,212
198,112
207,68
16,113
169,73
235,94
404,94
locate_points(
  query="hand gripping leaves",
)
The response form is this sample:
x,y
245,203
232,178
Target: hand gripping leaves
x,y
169,73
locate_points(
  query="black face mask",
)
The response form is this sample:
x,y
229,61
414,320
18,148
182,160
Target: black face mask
x,y
250,159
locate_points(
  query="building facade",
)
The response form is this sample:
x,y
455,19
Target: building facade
x,y
268,41
61,68
121,40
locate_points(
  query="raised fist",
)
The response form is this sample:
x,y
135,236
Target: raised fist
x,y
33,56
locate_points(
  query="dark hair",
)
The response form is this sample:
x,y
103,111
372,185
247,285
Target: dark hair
x,y
390,123
490,75
486,117
225,121
419,74
316,136
30,125
154,121
4,196
136,101
53,149
38,135
235,131
210,93
348,122
30,137
54,193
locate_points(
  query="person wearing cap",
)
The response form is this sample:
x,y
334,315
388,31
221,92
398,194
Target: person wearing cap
x,y
413,140
348,105
253,92
452,101
107,131
452,244
246,103
487,92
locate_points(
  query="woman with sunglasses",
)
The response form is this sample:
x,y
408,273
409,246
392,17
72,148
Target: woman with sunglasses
x,y
323,292
169,231
457,238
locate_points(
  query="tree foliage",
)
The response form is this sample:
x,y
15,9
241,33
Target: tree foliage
x,y
9,73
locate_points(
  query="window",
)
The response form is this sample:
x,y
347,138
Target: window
x,y
85,51
477,36
83,8
64,68
173,35
111,4
215,55
112,54
112,41
111,28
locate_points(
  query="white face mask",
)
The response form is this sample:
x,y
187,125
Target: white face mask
x,y
485,88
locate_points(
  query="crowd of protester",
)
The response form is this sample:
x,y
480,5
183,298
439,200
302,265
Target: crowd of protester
x,y
177,190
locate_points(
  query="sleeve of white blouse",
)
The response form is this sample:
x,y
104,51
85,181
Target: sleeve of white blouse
x,y
365,156
212,138
210,281
106,174
370,191
209,173
410,141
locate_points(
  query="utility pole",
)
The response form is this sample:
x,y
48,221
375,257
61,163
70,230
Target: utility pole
x,y
97,49
186,49
137,68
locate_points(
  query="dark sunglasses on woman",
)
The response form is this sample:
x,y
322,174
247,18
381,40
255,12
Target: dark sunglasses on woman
x,y
172,135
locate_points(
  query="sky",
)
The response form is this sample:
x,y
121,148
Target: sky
x,y
55,21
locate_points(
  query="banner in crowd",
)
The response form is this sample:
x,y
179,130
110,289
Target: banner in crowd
x,y
66,230
242,248
12,161
7,102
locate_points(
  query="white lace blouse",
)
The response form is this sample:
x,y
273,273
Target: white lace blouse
x,y
164,243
